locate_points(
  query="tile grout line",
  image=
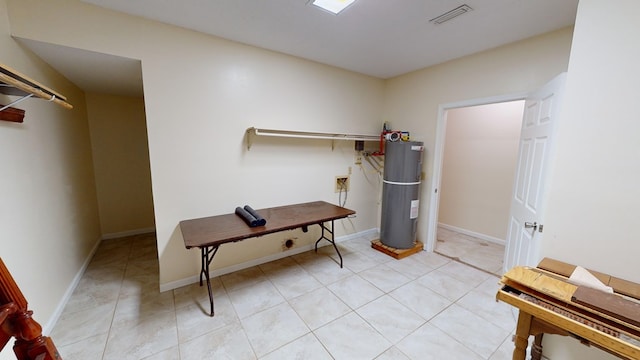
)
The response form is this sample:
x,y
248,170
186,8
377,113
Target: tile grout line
x,y
115,306
411,279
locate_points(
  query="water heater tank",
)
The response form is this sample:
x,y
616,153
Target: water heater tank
x,y
400,193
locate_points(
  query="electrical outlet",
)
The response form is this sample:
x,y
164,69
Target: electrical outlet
x,y
358,160
342,183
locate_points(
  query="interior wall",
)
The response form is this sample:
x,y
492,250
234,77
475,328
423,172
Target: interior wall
x,y
121,162
49,222
594,195
412,101
478,169
201,94
199,160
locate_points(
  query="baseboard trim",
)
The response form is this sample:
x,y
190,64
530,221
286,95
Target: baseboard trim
x,y
127,233
53,320
485,237
247,264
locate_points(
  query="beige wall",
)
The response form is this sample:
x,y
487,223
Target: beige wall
x,y
201,94
197,114
121,162
49,223
594,199
412,100
478,169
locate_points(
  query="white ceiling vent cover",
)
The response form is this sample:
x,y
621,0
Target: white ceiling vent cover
x,y
462,9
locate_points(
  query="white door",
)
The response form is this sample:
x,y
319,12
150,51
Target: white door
x,y
527,203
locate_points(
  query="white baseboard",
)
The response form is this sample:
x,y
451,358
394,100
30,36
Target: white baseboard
x,y
485,237
46,329
247,264
128,233
370,234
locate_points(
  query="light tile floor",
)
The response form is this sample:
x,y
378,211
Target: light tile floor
x,y
484,255
305,306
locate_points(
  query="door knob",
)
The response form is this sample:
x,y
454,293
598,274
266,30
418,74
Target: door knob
x,y
534,225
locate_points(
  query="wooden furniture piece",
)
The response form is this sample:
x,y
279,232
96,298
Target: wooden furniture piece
x,y
17,322
549,303
397,253
11,114
210,232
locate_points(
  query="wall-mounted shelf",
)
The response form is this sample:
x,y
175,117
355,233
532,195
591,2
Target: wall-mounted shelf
x,y
16,84
252,131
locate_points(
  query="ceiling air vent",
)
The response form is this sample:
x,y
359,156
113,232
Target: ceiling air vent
x,y
462,9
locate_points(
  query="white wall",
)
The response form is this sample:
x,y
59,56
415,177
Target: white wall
x,y
201,94
412,100
594,199
478,169
48,213
121,161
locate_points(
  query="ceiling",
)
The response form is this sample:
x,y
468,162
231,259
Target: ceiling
x,y
380,38
117,75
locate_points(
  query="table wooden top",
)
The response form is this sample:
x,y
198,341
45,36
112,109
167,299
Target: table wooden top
x,y
220,229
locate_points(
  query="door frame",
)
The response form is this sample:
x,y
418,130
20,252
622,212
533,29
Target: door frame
x,y
441,131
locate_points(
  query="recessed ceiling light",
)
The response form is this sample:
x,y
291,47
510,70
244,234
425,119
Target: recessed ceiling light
x,y
334,6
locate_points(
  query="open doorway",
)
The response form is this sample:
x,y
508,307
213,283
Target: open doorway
x,y
115,106
479,158
120,150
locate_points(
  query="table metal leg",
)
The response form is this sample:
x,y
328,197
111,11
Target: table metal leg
x,y
207,254
332,240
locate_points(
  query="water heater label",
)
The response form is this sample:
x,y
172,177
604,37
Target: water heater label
x,y
415,204
417,148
